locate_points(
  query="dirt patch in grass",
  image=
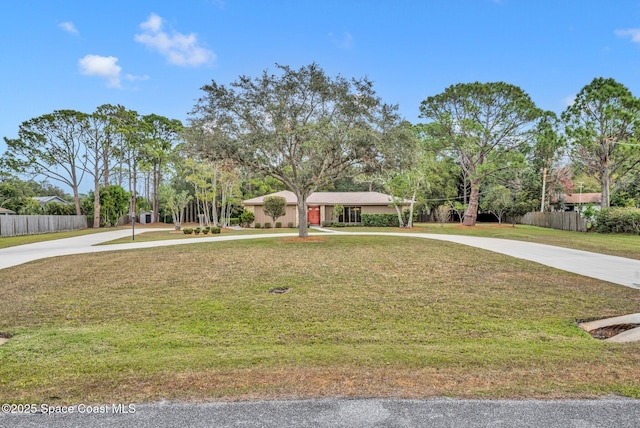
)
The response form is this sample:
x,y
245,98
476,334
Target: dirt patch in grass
x,y
307,239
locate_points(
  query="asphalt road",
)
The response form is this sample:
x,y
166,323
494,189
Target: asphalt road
x,y
334,413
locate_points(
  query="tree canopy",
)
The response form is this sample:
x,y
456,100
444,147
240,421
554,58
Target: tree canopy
x,y
484,126
301,127
602,125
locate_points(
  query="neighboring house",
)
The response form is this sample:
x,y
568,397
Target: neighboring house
x,y
574,201
6,211
320,206
46,199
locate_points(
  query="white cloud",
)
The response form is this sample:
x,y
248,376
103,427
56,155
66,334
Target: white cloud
x,y
68,27
344,42
569,100
102,66
633,33
178,48
133,78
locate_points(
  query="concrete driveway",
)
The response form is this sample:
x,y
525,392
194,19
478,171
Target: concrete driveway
x,y
617,270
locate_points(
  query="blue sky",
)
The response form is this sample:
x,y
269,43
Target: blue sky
x,y
153,56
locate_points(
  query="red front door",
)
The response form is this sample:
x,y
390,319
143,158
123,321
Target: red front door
x,y
313,215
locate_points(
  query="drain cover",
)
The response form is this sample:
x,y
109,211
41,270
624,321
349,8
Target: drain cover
x,y
611,330
278,290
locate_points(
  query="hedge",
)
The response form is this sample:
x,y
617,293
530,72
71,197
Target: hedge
x,y
380,220
618,220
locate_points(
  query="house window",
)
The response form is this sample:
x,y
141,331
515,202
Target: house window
x,y
351,215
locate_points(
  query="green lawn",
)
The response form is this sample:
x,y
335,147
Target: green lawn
x,y
163,235
12,241
365,316
614,244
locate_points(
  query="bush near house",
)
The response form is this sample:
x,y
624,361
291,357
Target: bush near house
x,y
187,231
267,225
246,218
278,224
215,230
290,225
258,226
380,220
618,220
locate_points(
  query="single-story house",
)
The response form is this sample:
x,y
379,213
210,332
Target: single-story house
x,y
6,211
320,207
574,201
46,199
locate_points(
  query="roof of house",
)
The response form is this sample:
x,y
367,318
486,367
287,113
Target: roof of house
x,y
6,211
45,199
582,198
330,198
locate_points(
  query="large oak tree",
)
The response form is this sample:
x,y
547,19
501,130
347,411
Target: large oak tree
x,y
482,124
301,127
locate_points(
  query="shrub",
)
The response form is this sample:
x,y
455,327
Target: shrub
x,y
339,225
258,225
618,220
267,225
327,223
196,231
247,217
278,225
290,225
215,230
206,230
380,220
234,221
187,231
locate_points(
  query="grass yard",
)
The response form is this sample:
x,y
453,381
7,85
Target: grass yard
x,y
11,241
163,235
363,317
614,244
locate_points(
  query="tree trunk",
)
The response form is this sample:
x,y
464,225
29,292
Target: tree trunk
x,y
400,222
107,170
303,230
76,200
134,193
156,201
606,184
214,190
413,201
544,188
96,203
471,213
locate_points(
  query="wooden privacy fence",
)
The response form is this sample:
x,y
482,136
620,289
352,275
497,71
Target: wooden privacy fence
x,y
14,225
566,220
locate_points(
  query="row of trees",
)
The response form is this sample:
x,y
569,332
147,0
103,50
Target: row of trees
x,y
483,146
309,130
110,146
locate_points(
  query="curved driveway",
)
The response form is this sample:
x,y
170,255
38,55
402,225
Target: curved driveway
x,y
618,270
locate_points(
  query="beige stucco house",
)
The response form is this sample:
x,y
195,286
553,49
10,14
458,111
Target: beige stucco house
x,y
320,206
